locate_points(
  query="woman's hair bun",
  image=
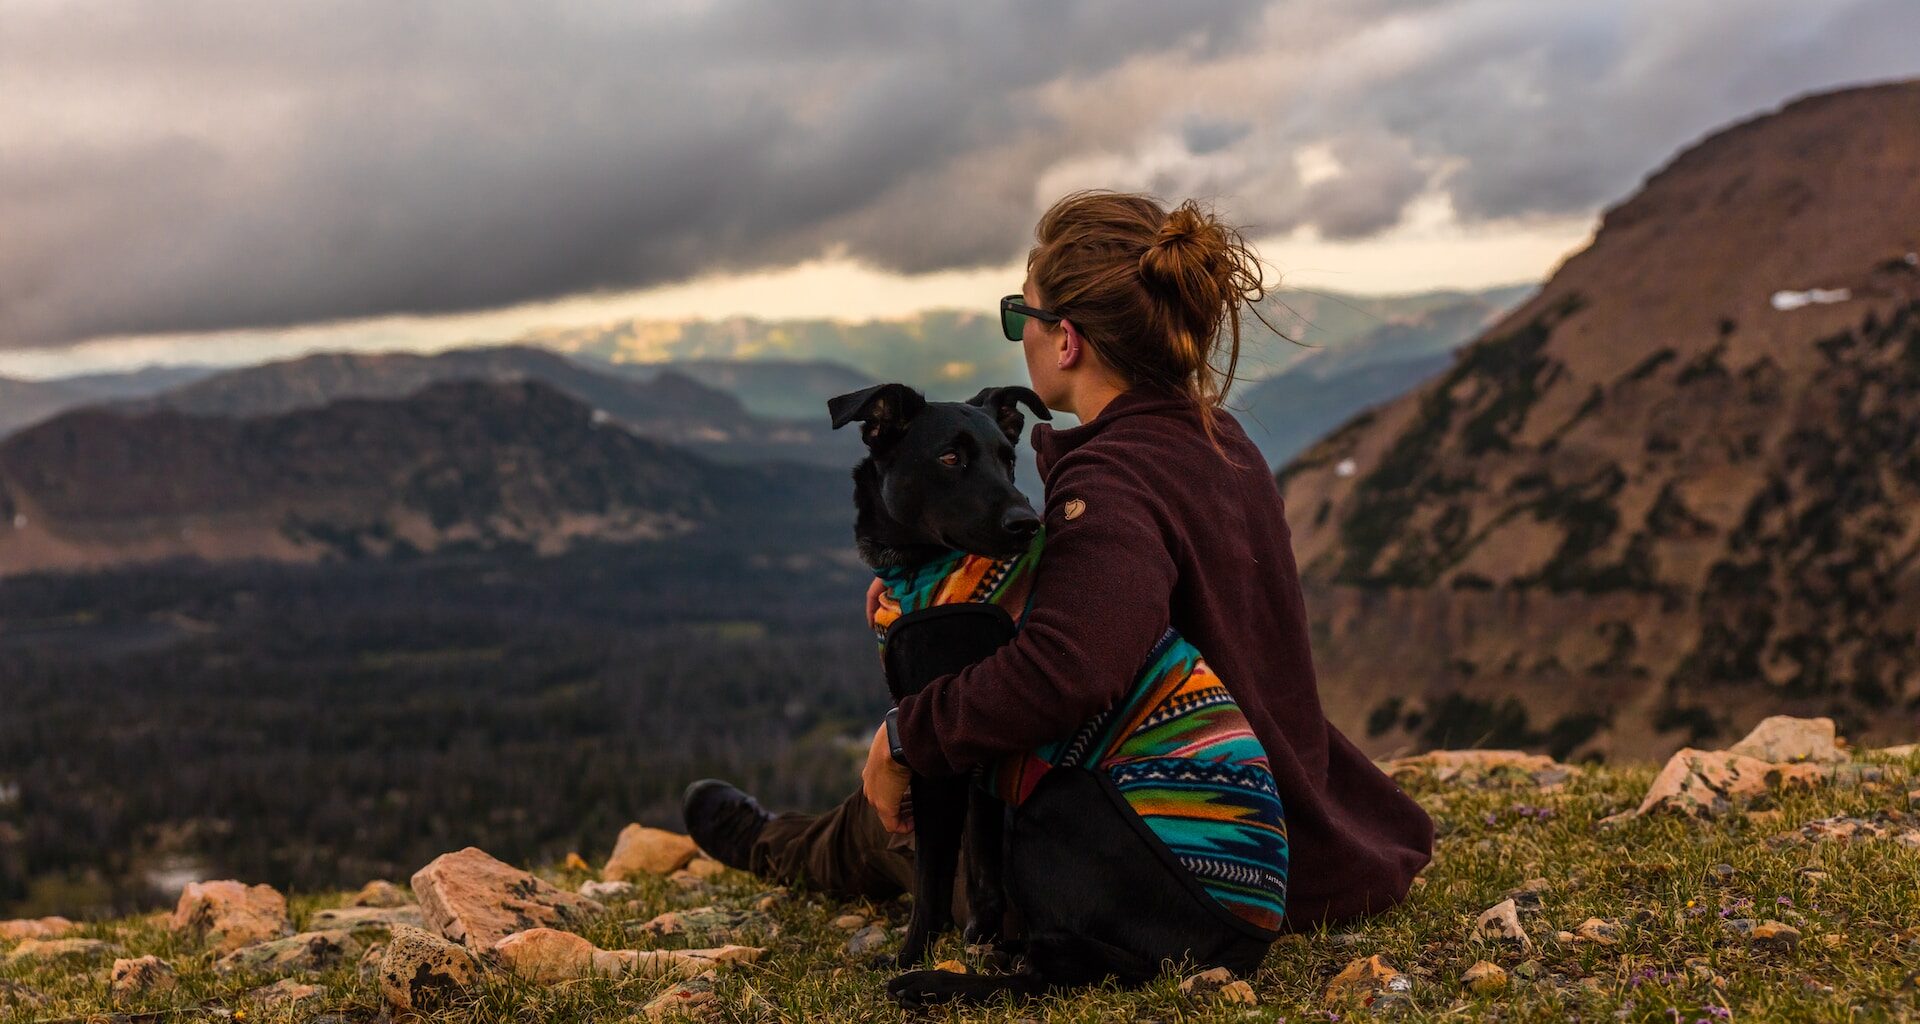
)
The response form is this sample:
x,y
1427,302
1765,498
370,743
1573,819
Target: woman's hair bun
x,y
1192,249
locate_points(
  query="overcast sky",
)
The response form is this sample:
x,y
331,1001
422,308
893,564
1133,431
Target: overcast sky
x,y
200,173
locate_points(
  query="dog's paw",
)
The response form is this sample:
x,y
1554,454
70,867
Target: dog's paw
x,y
930,988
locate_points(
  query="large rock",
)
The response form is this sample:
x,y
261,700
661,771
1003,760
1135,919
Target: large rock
x,y
140,976
35,928
307,951
1485,769
648,851
1367,982
1706,783
228,915
1784,738
545,956
422,972
471,898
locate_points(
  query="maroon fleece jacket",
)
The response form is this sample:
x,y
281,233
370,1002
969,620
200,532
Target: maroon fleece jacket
x,y
1147,526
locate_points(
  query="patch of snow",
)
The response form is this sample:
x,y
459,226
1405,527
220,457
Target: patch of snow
x,y
1346,468
20,521
600,416
1785,300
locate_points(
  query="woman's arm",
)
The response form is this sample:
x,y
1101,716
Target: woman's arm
x,y
1100,602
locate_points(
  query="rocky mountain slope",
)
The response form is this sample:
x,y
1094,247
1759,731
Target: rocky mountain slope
x,y
459,464
1676,485
667,404
24,402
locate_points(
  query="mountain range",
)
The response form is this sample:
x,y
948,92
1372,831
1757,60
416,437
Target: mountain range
x,y
1668,493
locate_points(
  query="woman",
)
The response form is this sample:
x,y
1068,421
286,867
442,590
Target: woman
x,y
1159,513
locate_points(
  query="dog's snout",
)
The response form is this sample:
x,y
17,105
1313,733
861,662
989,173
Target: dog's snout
x,y
1021,522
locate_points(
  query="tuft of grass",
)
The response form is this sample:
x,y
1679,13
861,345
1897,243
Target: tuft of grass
x,y
1670,882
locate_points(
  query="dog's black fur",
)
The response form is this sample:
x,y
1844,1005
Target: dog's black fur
x,y
1097,899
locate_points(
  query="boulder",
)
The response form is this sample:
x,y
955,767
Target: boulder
x,y
61,951
307,951
704,867
380,893
1783,738
35,928
1501,923
140,976
1706,783
366,918
471,898
422,972
648,851
719,924
1483,768
228,915
1598,930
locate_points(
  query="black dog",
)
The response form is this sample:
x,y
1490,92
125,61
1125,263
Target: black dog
x,y
1098,899
938,478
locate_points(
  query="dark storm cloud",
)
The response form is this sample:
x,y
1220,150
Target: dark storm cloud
x,y
205,164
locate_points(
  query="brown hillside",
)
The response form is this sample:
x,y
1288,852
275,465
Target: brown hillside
x,y
1648,507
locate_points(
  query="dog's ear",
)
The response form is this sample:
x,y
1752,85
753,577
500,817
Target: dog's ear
x,y
884,411
1004,404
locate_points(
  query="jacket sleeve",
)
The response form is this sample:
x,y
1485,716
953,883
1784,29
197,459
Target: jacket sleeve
x,y
1100,602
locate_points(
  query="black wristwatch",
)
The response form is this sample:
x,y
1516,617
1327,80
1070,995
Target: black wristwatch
x,y
894,749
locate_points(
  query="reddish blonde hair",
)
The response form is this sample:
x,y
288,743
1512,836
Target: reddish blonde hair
x,y
1151,289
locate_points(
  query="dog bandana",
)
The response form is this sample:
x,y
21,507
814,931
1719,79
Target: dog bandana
x,y
1177,748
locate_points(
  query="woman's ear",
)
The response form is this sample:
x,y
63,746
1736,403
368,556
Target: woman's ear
x,y
1072,345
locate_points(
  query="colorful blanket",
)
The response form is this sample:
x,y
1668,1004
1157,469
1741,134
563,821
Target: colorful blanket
x,y
1176,748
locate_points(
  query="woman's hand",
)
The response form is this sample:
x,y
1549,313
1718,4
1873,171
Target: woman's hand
x,y
884,781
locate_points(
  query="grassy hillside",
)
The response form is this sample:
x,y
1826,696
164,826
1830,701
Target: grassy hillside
x,y
1670,886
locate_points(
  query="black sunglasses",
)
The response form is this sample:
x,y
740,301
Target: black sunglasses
x,y
1014,312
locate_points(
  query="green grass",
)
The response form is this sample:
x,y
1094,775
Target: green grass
x,y
1858,960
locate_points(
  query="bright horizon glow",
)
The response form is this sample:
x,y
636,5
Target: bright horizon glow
x,y
1430,251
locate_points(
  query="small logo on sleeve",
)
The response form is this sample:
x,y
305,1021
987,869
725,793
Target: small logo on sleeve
x,y
1074,507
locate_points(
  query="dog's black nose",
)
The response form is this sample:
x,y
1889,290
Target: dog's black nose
x,y
1021,522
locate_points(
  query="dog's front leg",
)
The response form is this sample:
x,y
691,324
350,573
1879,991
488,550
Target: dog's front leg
x,y
939,817
986,863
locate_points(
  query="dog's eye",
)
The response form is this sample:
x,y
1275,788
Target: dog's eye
x,y
949,458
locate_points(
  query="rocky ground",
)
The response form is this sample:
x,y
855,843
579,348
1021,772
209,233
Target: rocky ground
x,y
1775,880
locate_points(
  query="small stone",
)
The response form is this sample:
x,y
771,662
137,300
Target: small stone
x,y
365,918
1721,873
472,898
1740,926
1774,937
575,862
422,972
1364,981
715,923
1501,923
951,966
1599,930
608,892
686,879
650,851
286,992
380,893
1564,938
866,940
545,957
140,976
1527,895
1909,839
1784,738
1238,992
849,922
308,951
766,901
704,867
61,951
1206,982
228,915
1484,978
35,928
13,993
690,999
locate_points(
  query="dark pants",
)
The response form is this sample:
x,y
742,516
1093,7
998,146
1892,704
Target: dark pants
x,y
845,852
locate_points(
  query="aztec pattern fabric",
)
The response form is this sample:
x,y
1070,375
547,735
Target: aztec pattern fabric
x,y
1177,749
